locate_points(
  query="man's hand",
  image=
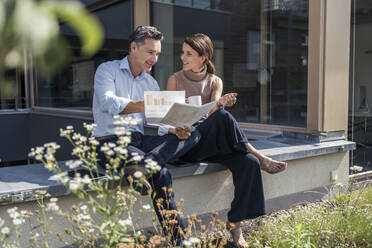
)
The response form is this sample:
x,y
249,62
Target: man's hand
x,y
227,100
134,106
181,132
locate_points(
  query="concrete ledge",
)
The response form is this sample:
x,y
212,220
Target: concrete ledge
x,y
15,111
18,184
287,149
64,112
279,149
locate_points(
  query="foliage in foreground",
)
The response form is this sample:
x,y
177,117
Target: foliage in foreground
x,y
30,30
106,214
345,221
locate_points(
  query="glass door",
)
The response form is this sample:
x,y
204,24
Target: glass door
x,y
360,98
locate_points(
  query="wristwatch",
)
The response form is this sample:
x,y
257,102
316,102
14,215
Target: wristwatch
x,y
220,106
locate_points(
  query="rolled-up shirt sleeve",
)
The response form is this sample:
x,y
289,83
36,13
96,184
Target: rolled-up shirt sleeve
x,y
104,89
164,129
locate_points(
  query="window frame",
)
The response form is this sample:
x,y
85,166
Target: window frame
x,y
317,68
32,71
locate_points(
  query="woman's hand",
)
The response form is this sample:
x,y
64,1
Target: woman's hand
x,y
227,100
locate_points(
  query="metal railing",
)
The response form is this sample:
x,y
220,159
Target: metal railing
x,y
12,103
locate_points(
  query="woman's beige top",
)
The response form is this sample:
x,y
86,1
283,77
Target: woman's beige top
x,y
197,84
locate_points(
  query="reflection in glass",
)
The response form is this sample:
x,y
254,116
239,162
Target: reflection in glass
x,y
360,98
12,90
73,86
260,52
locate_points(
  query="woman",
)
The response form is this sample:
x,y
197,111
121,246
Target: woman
x,y
222,139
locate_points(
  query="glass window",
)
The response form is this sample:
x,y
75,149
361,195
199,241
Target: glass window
x,y
73,86
261,51
360,98
12,90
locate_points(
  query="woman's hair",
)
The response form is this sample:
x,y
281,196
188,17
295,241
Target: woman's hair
x,y
203,45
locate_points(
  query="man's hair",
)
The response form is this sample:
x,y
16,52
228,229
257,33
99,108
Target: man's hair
x,y
141,33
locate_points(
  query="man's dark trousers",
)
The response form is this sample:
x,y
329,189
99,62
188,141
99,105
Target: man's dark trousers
x,y
160,149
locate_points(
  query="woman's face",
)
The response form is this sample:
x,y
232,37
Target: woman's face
x,y
191,59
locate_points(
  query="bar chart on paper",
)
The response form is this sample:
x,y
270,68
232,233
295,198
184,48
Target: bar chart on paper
x,y
157,103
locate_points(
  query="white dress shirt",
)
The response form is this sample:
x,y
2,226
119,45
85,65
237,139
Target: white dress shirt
x,y
114,88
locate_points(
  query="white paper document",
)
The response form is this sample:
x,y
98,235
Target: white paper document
x,y
182,114
169,108
157,104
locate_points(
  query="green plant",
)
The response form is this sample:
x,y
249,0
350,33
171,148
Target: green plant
x,y
344,221
29,31
105,215
112,203
33,26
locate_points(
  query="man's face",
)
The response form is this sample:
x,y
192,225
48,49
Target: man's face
x,y
146,55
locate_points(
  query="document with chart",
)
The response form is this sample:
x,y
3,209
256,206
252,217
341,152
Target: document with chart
x,y
169,108
157,104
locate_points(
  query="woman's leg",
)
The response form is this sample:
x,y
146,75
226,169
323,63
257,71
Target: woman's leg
x,y
267,164
248,199
220,134
237,235
248,202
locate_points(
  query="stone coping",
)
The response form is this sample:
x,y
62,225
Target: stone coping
x,y
18,183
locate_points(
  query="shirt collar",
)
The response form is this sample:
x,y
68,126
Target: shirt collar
x,y
124,65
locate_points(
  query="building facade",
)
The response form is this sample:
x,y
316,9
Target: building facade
x,y
298,66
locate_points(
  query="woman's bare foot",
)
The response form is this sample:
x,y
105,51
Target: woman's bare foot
x,y
272,166
236,233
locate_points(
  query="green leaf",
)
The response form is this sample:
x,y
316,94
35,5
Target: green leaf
x,y
32,27
86,25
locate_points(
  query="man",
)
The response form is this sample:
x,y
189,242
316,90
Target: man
x,y
119,90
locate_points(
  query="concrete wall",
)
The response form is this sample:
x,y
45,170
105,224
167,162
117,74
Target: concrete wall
x,y
215,190
14,136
